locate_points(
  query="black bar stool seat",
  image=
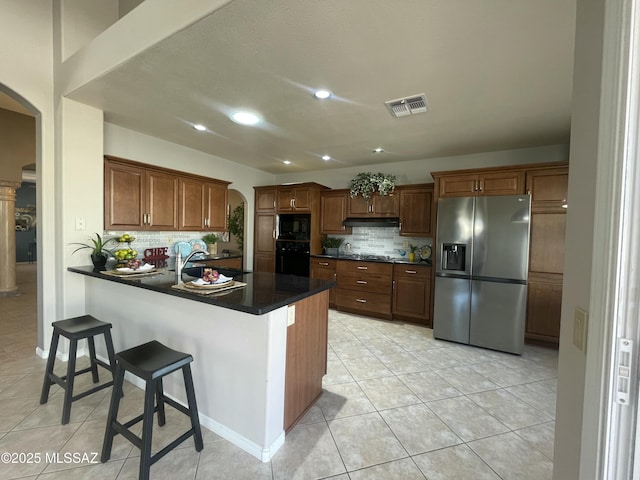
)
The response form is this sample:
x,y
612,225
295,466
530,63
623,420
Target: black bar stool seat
x,y
75,329
151,362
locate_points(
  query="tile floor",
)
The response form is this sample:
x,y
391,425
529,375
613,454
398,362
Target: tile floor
x,y
397,405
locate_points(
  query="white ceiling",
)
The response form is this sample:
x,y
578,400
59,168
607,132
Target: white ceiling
x,y
497,75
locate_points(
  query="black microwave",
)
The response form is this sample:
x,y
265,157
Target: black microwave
x,y
294,226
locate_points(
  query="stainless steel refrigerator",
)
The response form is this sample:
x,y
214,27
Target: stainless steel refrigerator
x,y
482,255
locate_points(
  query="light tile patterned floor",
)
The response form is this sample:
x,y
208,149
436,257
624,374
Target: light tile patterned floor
x,y
398,404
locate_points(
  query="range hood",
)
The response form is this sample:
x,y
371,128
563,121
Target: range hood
x,y
371,222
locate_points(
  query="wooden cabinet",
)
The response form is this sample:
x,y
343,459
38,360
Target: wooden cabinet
x,y
234,263
203,205
264,242
324,269
412,293
376,206
476,183
139,198
333,211
266,199
416,210
294,199
364,287
548,189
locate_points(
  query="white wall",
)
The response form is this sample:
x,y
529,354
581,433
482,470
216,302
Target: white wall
x,y
26,57
83,20
579,234
131,145
419,171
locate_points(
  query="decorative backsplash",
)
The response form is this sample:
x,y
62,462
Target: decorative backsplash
x,y
145,239
380,241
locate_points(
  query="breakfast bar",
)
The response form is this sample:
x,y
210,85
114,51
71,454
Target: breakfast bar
x,y
259,350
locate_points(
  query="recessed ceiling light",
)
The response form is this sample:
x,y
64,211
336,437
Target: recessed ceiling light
x,y
199,127
326,157
245,118
378,150
322,94
286,162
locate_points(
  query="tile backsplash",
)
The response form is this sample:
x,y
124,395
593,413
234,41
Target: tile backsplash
x,y
380,241
146,239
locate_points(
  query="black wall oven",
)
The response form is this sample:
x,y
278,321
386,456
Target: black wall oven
x,y
292,257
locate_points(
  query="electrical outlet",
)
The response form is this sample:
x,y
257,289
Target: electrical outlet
x,y
580,325
169,239
291,315
405,243
80,223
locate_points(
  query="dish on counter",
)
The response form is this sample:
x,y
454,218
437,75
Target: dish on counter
x,y
209,286
425,252
185,248
146,268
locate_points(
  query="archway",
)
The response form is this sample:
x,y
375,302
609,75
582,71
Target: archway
x,y
236,240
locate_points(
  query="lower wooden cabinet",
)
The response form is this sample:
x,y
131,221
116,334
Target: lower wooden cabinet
x,y
364,287
544,305
324,269
264,257
412,293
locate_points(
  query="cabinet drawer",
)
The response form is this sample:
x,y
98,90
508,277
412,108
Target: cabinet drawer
x,y
365,282
323,263
350,266
363,301
411,271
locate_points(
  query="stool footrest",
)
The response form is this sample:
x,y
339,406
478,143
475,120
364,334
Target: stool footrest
x,y
128,434
171,446
91,390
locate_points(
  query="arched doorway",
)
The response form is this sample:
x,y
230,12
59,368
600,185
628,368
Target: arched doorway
x,y
237,226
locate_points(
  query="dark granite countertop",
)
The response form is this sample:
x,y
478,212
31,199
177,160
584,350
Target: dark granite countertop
x,y
263,293
375,258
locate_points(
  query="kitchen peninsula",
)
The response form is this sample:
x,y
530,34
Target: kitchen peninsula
x,y
259,351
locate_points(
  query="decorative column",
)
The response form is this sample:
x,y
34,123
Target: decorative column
x,y
8,285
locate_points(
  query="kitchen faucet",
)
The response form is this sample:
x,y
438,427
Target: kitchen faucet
x,y
181,263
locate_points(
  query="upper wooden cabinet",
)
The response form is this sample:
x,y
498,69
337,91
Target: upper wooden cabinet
x,y
266,199
203,205
294,199
333,211
141,197
138,198
548,189
416,210
502,182
376,206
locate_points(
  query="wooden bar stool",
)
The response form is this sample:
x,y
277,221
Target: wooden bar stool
x,y
151,362
76,329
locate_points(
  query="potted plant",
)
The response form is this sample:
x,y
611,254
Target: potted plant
x,y
366,183
236,225
99,252
211,239
412,252
331,245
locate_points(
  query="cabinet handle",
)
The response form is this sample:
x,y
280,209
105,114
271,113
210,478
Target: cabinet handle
x,y
361,300
362,268
480,185
410,271
324,264
273,233
361,282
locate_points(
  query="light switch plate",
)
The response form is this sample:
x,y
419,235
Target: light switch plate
x,y
80,223
580,325
291,315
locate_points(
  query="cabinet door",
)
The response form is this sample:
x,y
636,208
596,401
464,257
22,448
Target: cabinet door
x,y
325,269
264,243
333,211
192,215
285,199
416,209
358,206
546,247
548,189
385,205
302,200
501,183
544,305
162,201
215,207
458,186
266,199
411,298
124,202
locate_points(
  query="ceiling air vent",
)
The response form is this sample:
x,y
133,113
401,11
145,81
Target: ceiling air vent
x,y
407,106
